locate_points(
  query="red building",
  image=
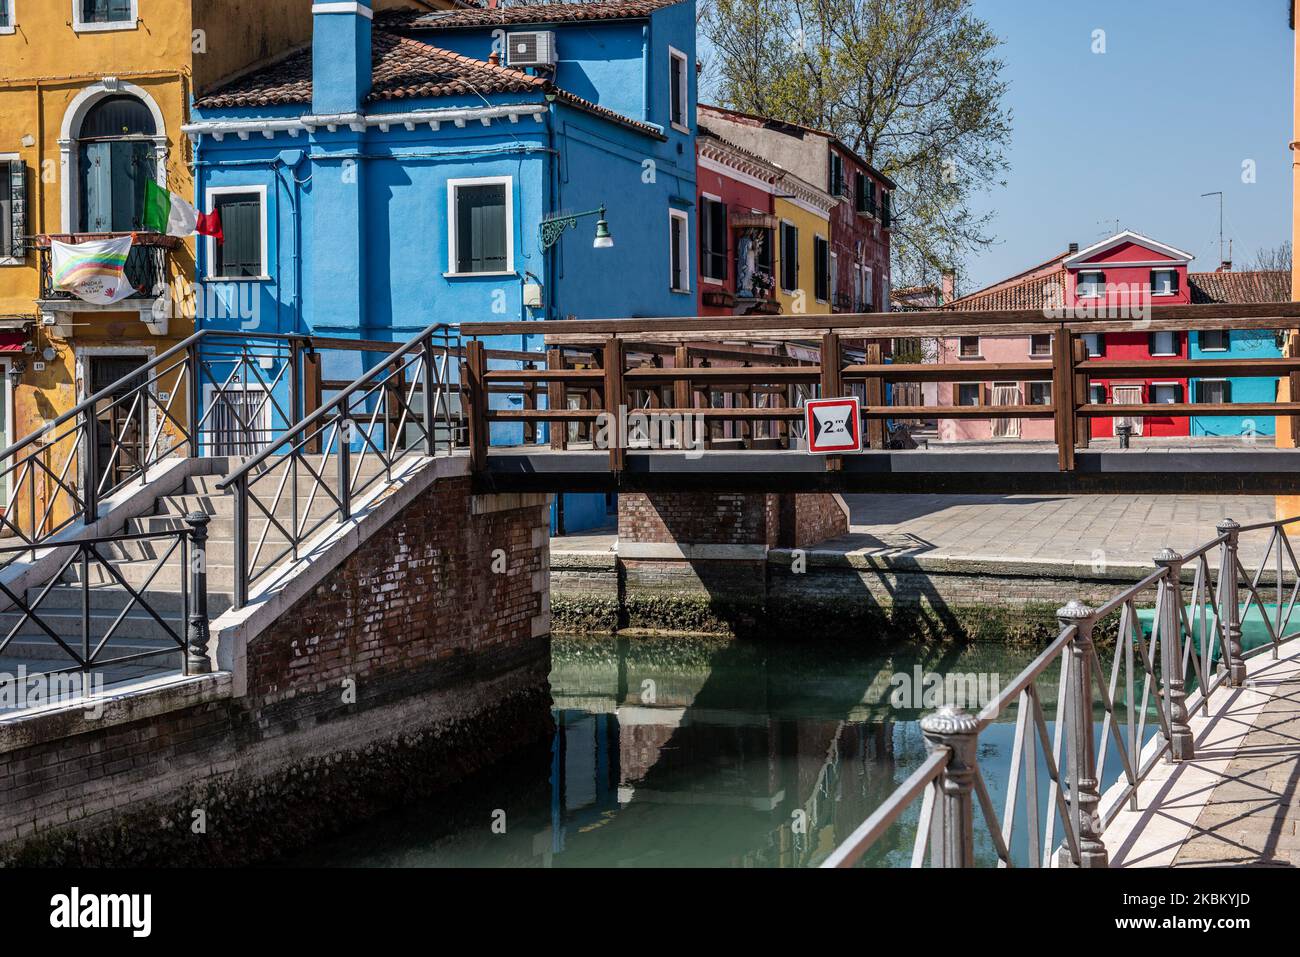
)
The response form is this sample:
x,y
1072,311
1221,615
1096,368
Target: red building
x,y
1118,278
1122,277
744,162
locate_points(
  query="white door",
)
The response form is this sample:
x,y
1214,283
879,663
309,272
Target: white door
x,y
1128,395
1006,394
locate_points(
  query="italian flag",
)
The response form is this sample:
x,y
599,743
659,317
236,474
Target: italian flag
x,y
166,212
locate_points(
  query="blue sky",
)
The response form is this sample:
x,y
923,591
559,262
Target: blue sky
x,y
1185,92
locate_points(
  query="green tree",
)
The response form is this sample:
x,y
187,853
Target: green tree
x,y
914,86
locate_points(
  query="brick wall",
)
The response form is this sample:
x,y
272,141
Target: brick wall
x,y
410,665
726,518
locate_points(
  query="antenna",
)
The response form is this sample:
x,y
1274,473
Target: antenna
x,y
1220,195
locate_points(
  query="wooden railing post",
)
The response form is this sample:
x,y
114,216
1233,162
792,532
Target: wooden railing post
x,y
1169,598
614,399
557,401
831,383
954,843
1082,424
1230,603
683,398
1063,397
1085,789
475,370
875,393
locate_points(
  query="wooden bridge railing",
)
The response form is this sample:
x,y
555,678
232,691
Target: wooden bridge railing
x,y
684,366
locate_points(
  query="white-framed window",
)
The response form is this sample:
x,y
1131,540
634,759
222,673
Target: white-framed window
x,y
1213,391
1211,340
1164,344
678,89
969,393
8,16
868,289
835,275
237,418
1091,284
1097,394
1040,345
1095,343
1166,393
90,16
242,253
1040,393
968,347
1164,282
480,226
13,208
679,251
713,239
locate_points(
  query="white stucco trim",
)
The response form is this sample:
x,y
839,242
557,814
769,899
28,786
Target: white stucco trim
x,y
676,56
81,26
210,242
10,158
70,173
452,186
685,250
294,126
1084,256
736,173
343,7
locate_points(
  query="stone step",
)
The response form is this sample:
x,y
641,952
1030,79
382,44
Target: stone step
x,y
266,488
220,550
113,598
221,528
136,574
224,506
137,632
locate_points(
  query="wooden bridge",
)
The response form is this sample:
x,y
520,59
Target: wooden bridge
x,y
743,380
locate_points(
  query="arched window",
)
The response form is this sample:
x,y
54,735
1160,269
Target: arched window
x,y
116,158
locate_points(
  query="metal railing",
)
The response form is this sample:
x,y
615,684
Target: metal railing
x,y
211,394
311,476
1056,774
107,619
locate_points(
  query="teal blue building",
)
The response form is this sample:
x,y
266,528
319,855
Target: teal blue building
x,y
1235,287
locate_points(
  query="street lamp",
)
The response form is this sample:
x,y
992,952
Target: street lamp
x,y
550,230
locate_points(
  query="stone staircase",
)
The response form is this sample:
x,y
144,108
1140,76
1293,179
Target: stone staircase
x,y
137,563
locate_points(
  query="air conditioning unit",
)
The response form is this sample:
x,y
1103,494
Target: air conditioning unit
x,y
531,48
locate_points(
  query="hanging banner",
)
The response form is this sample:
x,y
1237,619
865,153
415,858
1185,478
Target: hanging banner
x,y
94,271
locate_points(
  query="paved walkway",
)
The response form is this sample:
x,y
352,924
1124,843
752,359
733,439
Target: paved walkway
x,y
1237,801
1055,528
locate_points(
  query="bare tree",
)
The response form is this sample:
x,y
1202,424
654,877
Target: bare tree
x,y
1275,258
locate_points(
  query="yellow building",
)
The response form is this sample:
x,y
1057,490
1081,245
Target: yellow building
x,y
804,262
93,94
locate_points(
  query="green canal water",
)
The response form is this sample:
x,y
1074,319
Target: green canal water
x,y
685,753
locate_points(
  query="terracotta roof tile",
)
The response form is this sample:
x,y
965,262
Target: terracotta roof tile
x,y
1029,293
1240,287
538,13
403,68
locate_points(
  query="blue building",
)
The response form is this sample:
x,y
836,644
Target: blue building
x,y
399,171
1226,286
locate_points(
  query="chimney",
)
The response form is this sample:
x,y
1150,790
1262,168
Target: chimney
x,y
340,52
947,286
494,58
1074,248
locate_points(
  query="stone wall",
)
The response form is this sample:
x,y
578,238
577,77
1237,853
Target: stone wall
x,y
413,663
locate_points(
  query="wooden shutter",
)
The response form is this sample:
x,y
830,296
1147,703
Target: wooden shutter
x,y
241,224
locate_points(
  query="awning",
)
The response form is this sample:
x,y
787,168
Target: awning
x,y
12,341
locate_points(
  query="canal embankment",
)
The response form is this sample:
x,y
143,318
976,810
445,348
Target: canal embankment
x,y
910,567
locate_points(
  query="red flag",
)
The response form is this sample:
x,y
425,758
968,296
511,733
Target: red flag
x,y
210,225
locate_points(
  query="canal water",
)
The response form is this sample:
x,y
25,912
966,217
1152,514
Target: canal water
x,y
695,753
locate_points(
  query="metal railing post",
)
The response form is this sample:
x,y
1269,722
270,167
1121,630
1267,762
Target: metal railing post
x,y
196,640
1085,789
241,542
430,403
954,729
89,470
1229,603
345,466
193,389
1169,605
